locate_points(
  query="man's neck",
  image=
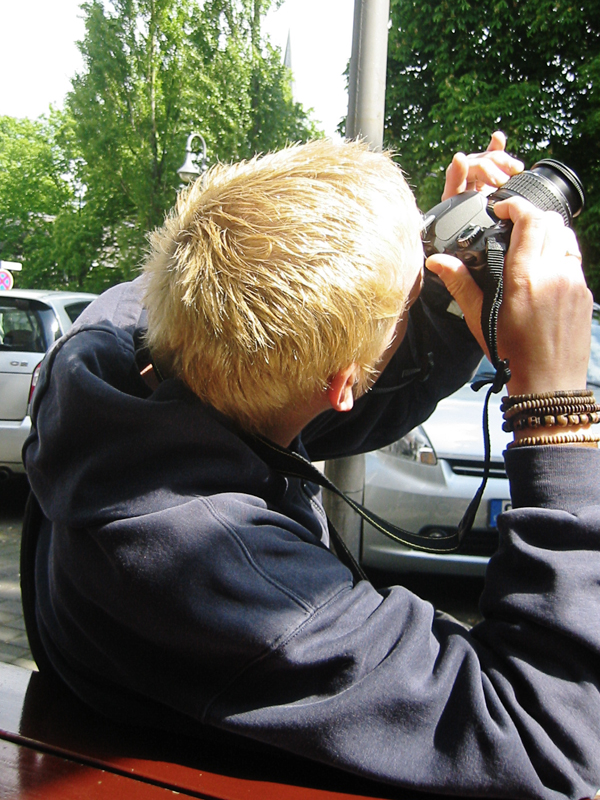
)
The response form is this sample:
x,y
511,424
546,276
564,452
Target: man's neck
x,y
284,431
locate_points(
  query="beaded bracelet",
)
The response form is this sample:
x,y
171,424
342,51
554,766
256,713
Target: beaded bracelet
x,y
513,399
547,417
558,404
549,420
559,438
558,412
564,408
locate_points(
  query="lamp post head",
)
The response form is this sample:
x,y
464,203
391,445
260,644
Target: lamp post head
x,y
190,170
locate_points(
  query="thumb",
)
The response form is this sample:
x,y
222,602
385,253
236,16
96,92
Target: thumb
x,y
459,282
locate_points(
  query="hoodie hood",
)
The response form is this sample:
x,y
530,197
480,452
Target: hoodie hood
x,y
113,446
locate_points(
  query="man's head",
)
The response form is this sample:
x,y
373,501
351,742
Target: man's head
x,y
272,275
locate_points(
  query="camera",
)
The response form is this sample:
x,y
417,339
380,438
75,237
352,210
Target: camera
x,y
464,225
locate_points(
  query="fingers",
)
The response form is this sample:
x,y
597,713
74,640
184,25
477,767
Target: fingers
x,y
573,250
517,208
529,231
540,241
456,176
481,171
492,170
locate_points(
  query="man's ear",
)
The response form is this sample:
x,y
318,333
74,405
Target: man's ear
x,y
339,391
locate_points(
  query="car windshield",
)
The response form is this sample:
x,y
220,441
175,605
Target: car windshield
x,y
485,369
26,326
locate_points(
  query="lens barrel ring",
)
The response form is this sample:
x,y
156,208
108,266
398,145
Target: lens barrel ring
x,y
539,191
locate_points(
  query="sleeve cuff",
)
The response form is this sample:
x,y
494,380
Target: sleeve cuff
x,y
562,477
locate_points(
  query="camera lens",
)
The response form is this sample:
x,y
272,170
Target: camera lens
x,y
549,185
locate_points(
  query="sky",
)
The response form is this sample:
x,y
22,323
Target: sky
x,y
38,55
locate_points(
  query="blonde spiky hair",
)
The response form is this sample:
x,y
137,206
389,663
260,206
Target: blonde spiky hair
x,y
272,275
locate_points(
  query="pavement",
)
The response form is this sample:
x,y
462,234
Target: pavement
x,y
14,648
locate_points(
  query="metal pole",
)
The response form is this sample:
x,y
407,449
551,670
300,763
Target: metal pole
x,y
368,64
366,107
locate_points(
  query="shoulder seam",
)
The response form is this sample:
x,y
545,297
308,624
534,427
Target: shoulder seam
x,y
285,590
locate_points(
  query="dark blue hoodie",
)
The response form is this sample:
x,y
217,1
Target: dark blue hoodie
x,y
180,573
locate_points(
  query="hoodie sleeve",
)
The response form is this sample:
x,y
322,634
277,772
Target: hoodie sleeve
x,y
437,356
383,686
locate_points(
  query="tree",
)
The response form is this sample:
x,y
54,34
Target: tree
x,y
45,222
156,70
33,190
79,191
127,105
459,70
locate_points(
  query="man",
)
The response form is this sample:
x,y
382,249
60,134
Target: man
x,y
180,575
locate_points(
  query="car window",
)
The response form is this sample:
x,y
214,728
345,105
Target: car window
x,y
25,325
484,370
74,309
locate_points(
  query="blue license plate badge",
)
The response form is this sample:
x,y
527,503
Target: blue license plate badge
x,y
495,509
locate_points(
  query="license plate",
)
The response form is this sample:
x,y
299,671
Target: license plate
x,y
496,508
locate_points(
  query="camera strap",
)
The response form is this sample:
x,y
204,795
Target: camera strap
x,y
492,284
291,464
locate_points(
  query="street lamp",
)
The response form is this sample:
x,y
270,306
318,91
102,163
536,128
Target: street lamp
x,y
190,170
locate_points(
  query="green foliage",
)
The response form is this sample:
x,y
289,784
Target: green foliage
x,y
156,70
125,106
44,222
80,191
33,189
459,70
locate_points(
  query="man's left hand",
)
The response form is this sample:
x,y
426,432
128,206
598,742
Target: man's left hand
x,y
481,171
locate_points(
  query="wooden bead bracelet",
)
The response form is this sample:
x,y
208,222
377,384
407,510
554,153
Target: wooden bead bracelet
x,y
559,438
563,409
560,419
513,399
566,408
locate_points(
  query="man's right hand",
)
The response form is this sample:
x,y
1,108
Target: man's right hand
x,y
545,319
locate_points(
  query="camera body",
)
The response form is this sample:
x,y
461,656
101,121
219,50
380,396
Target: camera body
x,y
464,225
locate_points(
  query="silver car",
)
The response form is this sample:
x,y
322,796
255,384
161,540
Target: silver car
x,y
425,481
30,321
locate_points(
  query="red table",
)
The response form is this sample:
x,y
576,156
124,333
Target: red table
x,y
53,746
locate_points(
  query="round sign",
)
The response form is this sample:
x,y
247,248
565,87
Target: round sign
x,y
6,280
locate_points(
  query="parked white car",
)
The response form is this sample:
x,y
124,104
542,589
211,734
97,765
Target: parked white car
x,y
30,321
425,481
